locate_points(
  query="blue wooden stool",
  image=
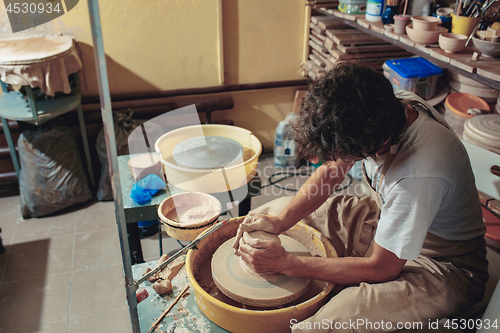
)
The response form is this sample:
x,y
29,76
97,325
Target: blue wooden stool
x,y
13,106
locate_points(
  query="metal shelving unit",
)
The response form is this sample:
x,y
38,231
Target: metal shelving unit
x,y
109,130
491,83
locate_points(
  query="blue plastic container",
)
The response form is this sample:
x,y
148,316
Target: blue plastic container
x,y
417,75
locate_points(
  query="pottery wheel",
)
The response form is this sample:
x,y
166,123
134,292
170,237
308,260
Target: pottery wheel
x,y
253,289
207,152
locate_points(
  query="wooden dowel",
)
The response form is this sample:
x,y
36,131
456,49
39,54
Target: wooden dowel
x,y
168,309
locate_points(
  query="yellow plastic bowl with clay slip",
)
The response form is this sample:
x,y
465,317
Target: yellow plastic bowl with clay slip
x,y
238,320
216,180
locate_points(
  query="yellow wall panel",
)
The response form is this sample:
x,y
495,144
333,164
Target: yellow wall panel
x,y
153,45
263,40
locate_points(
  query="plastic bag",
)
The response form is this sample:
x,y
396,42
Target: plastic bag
x,y
52,177
123,126
144,189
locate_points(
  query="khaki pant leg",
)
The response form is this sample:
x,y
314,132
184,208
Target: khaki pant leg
x,y
348,222
423,293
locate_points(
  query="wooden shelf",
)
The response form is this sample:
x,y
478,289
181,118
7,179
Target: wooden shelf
x,y
486,70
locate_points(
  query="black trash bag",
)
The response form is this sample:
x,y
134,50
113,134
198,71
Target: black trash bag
x,y
124,126
52,176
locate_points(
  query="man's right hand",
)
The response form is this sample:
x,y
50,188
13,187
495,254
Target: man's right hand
x,y
254,223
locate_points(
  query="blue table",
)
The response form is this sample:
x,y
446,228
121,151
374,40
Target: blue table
x,y
185,316
135,212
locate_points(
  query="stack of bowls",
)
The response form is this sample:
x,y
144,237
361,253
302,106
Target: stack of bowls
x,y
425,29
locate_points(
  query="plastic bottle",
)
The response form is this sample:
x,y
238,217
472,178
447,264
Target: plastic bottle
x,y
374,10
285,148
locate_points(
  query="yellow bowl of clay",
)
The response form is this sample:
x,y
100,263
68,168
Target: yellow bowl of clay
x,y
186,215
236,319
217,180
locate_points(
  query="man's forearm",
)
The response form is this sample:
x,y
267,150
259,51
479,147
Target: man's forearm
x,y
381,266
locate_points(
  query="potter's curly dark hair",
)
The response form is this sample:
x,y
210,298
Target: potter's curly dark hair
x,y
349,114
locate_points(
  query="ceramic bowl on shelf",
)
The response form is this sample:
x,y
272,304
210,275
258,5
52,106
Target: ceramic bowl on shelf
x,y
425,23
389,27
452,42
424,37
489,49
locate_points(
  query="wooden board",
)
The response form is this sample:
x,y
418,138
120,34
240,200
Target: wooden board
x,y
378,27
316,28
368,48
317,60
392,34
331,33
330,23
329,44
364,23
426,48
392,54
317,47
463,60
440,54
316,40
488,67
311,66
406,40
353,17
324,58
353,40
318,35
326,6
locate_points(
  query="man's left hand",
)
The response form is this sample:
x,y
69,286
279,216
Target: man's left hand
x,y
264,256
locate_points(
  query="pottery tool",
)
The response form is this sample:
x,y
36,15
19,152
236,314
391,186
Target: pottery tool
x,y
168,309
233,278
184,250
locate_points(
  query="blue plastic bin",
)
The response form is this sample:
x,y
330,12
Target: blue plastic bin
x,y
417,75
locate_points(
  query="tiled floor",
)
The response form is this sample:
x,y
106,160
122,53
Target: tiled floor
x,y
64,273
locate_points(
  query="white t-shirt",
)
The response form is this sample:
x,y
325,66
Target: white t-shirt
x,y
428,187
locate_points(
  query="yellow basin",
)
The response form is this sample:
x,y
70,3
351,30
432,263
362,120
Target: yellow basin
x,y
210,180
235,319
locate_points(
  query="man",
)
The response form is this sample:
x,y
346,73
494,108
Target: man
x,y
412,253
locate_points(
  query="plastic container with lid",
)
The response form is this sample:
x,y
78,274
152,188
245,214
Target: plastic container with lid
x,y
374,10
456,106
352,6
417,75
483,131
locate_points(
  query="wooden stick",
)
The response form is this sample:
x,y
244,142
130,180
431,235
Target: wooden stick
x,y
406,5
169,308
